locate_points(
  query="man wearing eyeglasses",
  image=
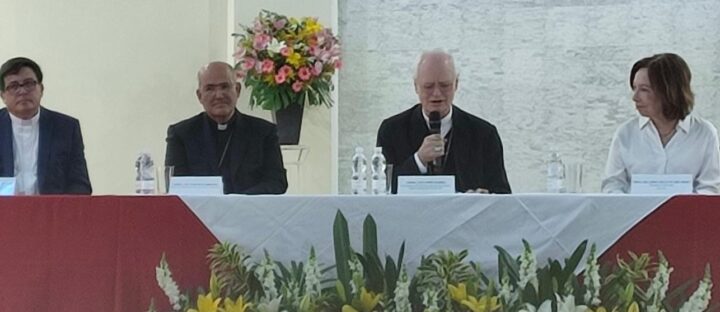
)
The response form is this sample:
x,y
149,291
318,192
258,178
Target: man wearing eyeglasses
x,y
41,148
437,137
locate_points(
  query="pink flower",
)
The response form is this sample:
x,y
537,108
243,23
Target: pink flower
x,y
313,50
285,51
297,86
323,56
258,26
279,24
280,78
338,63
261,41
304,73
248,63
286,70
268,66
317,69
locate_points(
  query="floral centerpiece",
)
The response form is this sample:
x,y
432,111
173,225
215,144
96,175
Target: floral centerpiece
x,y
285,61
445,281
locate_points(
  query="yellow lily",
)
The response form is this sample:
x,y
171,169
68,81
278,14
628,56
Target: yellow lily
x,y
484,304
348,308
458,293
295,59
206,304
599,309
240,305
368,301
634,307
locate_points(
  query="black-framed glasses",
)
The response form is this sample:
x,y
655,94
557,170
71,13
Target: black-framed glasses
x,y
27,85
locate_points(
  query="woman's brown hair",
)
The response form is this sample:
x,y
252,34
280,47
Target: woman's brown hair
x,y
670,80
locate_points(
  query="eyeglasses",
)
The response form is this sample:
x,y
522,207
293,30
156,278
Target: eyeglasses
x,y
27,85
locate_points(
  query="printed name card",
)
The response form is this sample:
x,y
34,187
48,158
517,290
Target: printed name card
x,y
196,186
661,184
7,186
426,184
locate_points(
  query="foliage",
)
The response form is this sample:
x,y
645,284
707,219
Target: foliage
x,y
287,61
444,281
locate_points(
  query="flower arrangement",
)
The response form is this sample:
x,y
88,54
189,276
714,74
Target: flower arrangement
x,y
445,281
286,60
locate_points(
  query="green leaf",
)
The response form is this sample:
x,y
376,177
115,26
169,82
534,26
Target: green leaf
x,y
343,252
572,263
507,265
370,245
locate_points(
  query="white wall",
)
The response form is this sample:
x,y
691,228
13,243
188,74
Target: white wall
x,y
127,69
546,73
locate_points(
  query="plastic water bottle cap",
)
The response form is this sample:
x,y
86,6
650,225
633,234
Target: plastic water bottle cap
x,y
358,149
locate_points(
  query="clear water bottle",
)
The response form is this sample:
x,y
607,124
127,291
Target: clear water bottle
x,y
378,182
144,174
555,174
358,181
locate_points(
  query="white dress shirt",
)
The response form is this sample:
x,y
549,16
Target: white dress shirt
x,y
445,126
26,135
637,149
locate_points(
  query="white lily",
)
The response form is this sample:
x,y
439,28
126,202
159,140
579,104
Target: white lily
x,y
402,293
270,306
528,269
275,46
592,279
567,304
167,284
546,306
701,297
312,275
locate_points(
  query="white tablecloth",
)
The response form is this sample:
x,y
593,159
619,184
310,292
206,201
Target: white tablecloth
x,y
554,224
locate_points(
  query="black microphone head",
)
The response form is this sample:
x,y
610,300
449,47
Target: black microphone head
x,y
434,116
434,122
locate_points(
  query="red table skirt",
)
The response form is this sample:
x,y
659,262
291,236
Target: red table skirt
x,y
685,229
96,253
100,253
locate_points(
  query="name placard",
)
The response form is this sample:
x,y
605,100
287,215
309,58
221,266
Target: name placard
x,y
661,184
426,184
196,186
7,186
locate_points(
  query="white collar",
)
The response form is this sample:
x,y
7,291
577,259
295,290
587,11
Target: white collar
x,y
683,124
25,122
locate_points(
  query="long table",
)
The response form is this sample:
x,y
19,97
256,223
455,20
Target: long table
x,y
99,253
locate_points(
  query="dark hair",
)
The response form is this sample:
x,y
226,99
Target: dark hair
x,y
14,65
669,77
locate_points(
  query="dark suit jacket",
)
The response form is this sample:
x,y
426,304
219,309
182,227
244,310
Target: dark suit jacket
x,y
475,154
256,165
61,158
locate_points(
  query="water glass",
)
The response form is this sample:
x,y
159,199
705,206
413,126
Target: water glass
x,y
163,175
574,177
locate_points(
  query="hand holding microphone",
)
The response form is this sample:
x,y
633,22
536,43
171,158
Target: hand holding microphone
x,y
433,146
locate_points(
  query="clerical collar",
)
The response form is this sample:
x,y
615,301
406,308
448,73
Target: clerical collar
x,y
445,122
222,126
25,122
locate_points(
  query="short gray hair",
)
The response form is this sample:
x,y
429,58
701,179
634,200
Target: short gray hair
x,y
434,53
204,68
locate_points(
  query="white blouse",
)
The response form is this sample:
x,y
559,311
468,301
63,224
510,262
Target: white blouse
x,y
636,149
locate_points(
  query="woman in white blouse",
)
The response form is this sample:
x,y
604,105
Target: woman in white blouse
x,y
665,138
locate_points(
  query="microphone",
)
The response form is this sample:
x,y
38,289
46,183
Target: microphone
x,y
434,120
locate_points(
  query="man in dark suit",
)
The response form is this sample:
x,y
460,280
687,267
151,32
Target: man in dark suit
x,y
467,147
41,148
221,141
